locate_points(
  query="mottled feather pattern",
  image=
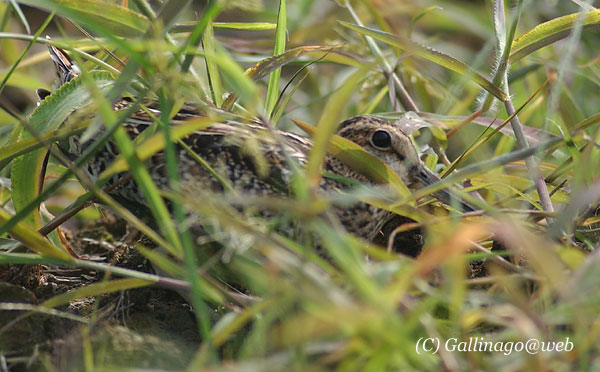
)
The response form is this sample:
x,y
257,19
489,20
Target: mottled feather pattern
x,y
255,158
251,156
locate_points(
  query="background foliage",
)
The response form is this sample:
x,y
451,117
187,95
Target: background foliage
x,y
265,302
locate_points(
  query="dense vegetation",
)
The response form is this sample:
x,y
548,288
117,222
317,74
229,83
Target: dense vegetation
x,y
507,97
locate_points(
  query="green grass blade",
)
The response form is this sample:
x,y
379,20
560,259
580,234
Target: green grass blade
x,y
20,15
156,143
33,240
328,122
267,65
21,147
122,21
179,215
138,170
29,259
239,81
211,11
24,52
214,78
549,32
280,36
282,103
503,47
431,55
95,289
249,26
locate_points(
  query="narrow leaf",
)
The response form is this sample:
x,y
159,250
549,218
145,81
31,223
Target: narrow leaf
x,y
430,55
267,65
328,123
96,289
156,143
122,21
33,240
211,66
549,32
280,36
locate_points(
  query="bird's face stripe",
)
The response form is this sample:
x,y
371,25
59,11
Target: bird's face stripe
x,y
66,69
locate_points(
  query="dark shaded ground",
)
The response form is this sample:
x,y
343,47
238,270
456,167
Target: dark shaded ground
x,y
147,327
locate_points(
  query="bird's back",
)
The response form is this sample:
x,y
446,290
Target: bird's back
x,y
247,158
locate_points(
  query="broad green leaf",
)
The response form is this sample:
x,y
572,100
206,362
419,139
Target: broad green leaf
x,y
359,160
122,21
549,32
33,240
27,170
430,54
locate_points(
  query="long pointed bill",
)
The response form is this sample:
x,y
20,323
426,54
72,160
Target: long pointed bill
x,y
427,177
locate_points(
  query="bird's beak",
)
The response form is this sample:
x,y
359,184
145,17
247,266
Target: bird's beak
x,y
427,177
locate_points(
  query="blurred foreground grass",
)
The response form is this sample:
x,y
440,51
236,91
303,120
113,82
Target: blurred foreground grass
x,y
368,309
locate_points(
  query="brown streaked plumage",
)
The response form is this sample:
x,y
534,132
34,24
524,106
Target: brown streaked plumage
x,y
255,159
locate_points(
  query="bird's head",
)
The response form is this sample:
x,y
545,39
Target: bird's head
x,y
66,69
391,145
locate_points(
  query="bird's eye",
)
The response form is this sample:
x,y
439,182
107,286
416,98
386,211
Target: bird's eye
x,y
381,140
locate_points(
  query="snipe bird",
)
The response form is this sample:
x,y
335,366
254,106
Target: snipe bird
x,y
222,147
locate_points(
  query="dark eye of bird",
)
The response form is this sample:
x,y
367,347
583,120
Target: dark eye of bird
x,y
381,139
